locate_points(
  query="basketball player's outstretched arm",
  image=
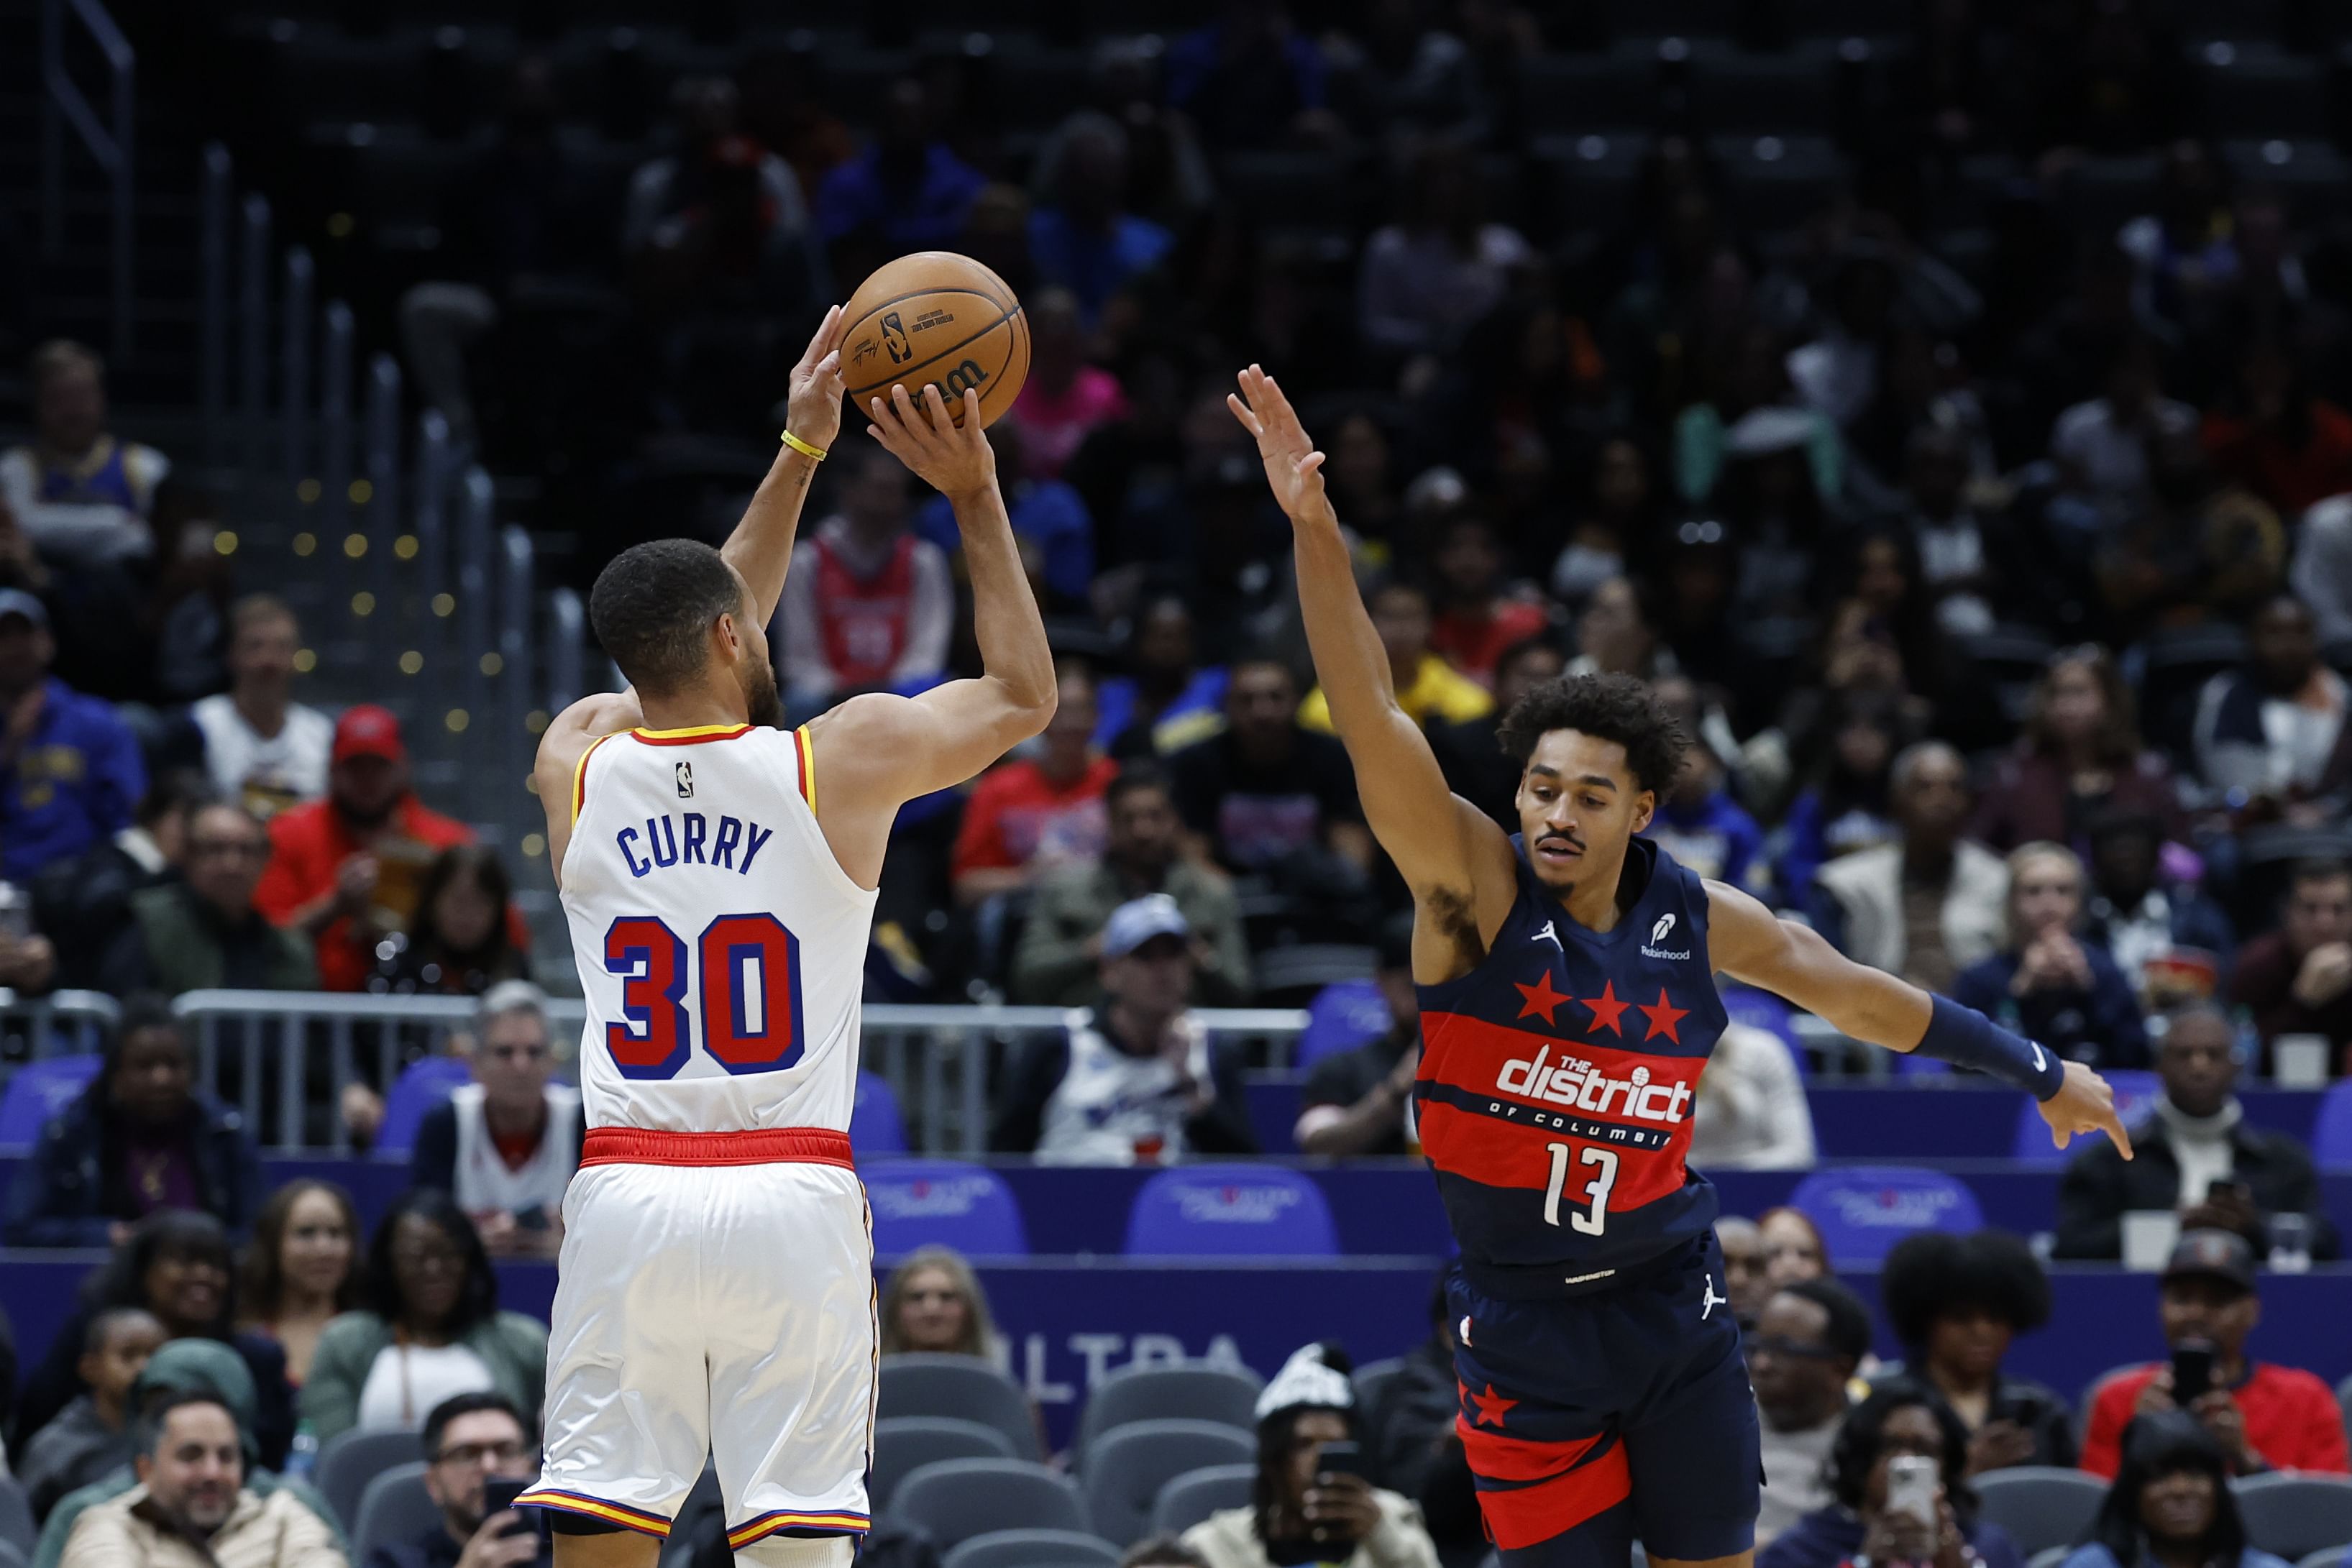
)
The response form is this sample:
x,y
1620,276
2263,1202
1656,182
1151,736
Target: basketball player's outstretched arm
x,y
761,547
1748,942
875,752
1453,856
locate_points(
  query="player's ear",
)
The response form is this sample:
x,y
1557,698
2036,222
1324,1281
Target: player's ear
x,y
1645,806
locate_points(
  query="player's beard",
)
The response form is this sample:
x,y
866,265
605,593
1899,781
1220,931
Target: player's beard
x,y
761,701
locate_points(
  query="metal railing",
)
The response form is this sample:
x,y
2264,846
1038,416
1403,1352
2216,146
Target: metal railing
x,y
63,103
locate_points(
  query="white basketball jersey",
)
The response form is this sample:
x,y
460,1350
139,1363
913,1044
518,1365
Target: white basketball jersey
x,y
721,947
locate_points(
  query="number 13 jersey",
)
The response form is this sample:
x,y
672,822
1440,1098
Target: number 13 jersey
x,y
721,947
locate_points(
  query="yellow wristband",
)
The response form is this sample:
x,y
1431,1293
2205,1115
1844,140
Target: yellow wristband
x,y
813,453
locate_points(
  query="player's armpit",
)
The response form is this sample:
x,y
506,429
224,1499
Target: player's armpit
x,y
1749,943
554,772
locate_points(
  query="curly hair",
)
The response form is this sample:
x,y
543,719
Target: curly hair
x,y
1606,708
1935,1275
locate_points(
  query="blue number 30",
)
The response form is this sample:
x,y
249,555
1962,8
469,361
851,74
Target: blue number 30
x,y
750,1011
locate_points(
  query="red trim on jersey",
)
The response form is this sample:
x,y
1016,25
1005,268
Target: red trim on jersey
x,y
768,1146
1566,1489
690,737
803,763
580,775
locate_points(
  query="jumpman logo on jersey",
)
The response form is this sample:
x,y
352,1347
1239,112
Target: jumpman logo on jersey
x,y
1710,1301
1548,935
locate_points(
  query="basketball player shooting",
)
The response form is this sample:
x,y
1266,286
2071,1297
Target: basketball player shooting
x,y
1568,1004
715,1289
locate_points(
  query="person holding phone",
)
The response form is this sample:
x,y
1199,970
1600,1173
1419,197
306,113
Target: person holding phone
x,y
1956,1303
1311,1502
479,1454
1897,1473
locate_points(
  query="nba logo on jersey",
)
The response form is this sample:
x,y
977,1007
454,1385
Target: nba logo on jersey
x,y
685,780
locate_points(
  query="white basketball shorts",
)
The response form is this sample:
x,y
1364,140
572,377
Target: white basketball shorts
x,y
715,1297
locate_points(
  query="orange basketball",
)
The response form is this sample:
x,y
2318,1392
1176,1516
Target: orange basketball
x,y
935,318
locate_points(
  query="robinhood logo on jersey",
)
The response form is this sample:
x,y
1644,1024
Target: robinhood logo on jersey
x,y
1575,1083
1658,931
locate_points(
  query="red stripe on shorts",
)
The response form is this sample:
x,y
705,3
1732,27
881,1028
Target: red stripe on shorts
x,y
1563,1491
768,1146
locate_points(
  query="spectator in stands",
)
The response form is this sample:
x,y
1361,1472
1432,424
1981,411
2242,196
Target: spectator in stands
x,y
2081,754
344,870
1033,813
1411,1446
1061,944
459,942
505,1146
2321,575
1427,687
1844,803
73,768
1804,1352
91,1438
1170,699
1926,908
208,930
1743,1279
1751,1113
2297,979
2061,991
81,496
1697,821
471,1440
1250,78
868,602
1614,637
2101,446
1081,238
1794,1247
261,747
2262,1416
139,1141
2172,1502
907,190
1358,1101
176,1266
431,1328
1440,266
2269,729
933,1304
1482,614
81,905
1955,1303
300,1270
1299,1513
1139,1080
2171,942
2194,1154
192,1505
1268,794
1065,399
696,208
1900,1417
1050,523
1474,760
2276,437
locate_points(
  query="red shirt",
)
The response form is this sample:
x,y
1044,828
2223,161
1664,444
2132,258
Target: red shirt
x,y
309,843
864,620
2290,479
1016,814
1474,643
2292,1419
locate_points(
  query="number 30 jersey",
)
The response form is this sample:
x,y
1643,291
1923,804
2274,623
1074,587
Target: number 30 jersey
x,y
721,947
1558,1078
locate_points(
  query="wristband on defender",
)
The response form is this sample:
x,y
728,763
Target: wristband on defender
x,y
1966,1037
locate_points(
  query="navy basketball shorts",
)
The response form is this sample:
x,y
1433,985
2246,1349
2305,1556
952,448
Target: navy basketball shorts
x,y
1592,1420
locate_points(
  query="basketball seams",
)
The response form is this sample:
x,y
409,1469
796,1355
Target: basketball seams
x,y
902,373
881,305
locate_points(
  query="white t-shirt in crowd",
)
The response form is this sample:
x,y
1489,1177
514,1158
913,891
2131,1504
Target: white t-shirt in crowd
x,y
267,773
408,1380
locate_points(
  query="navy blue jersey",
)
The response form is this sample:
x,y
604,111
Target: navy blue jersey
x,y
1557,1079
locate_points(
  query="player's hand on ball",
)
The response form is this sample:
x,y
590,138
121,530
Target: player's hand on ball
x,y
813,405
1292,467
924,436
2084,1103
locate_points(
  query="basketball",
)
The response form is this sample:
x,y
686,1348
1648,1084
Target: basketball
x,y
938,319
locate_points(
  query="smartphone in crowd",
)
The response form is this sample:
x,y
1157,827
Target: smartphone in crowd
x,y
499,1495
1913,1487
1340,1460
2193,1371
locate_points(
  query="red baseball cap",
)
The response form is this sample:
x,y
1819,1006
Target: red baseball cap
x,y
368,730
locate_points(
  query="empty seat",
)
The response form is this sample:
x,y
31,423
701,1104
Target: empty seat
x,y
1227,1396
422,1085
967,1206
349,1461
1792,92
905,1444
1613,91
1343,1016
1372,1382
2050,1557
394,1508
1864,1210
1776,182
1034,1549
962,1387
956,1500
1194,1496
876,1126
1231,1211
2043,1506
2136,1095
2295,1515
1125,1468
37,1092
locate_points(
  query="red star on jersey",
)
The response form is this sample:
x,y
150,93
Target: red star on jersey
x,y
1607,1011
1490,1407
1540,997
1664,1017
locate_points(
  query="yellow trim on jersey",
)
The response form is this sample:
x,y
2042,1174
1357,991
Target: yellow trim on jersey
x,y
596,1507
808,766
689,731
580,777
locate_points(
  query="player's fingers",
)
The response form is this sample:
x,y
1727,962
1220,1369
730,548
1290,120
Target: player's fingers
x,y
1242,411
1309,464
2117,1133
972,433
916,429
817,345
935,409
829,367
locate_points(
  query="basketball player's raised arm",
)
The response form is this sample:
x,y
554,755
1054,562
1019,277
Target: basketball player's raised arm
x,y
1448,852
761,547
1749,943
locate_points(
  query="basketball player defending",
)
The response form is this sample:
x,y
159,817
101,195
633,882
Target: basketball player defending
x,y
717,1282
1568,1004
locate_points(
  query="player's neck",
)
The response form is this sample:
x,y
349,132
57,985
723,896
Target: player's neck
x,y
696,707
1592,902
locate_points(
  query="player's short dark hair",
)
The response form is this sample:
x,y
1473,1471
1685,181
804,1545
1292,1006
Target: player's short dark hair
x,y
1134,776
1607,707
1934,1274
437,1423
1848,1328
652,608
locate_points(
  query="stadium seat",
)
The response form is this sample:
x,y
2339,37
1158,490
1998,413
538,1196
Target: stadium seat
x,y
38,1090
349,1460
967,1206
2343,1403
1372,1382
2294,1516
875,1127
955,1499
905,1444
16,1527
1225,1395
1231,1210
2050,1557
1034,1549
422,1085
1343,1016
1290,976
2135,1095
1864,1210
2330,1557
962,1387
1195,1495
395,1507
2043,1506
1124,1468
2175,664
